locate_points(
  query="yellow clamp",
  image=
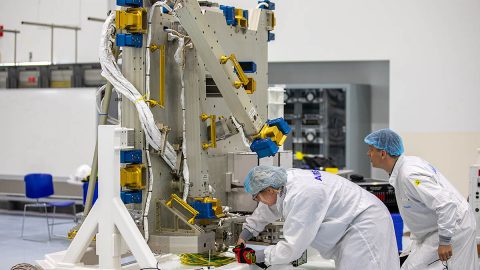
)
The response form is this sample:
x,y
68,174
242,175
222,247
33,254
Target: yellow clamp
x,y
271,21
185,205
131,176
241,20
273,133
134,20
213,131
248,83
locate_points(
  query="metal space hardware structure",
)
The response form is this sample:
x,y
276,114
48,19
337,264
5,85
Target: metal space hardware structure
x,y
193,119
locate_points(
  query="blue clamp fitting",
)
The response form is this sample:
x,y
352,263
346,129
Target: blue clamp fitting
x,y
229,13
264,147
165,10
129,3
131,156
271,36
271,5
129,197
281,124
248,66
245,14
129,40
205,210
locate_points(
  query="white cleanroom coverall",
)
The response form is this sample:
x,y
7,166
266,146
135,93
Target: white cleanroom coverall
x,y
333,215
436,214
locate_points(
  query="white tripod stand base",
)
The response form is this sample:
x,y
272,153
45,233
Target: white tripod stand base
x,y
109,218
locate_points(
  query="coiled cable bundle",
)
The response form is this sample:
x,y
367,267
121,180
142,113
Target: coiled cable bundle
x,y
23,266
205,259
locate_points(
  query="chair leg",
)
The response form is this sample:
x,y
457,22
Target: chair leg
x,y
48,223
53,219
74,214
23,220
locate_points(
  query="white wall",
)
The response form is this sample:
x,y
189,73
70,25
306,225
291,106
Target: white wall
x,y
37,39
433,49
54,131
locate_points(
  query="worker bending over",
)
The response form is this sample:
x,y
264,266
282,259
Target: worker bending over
x,y
441,222
322,210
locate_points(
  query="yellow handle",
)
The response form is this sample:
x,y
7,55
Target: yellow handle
x,y
241,75
161,98
161,95
213,131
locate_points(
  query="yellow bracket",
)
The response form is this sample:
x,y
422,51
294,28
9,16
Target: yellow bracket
x,y
134,20
161,95
274,21
185,205
213,131
241,20
153,47
251,86
271,21
273,133
248,83
151,103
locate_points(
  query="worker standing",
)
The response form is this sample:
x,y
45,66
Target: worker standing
x,y
441,221
322,210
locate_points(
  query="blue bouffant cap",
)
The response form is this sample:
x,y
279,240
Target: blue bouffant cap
x,y
261,177
386,139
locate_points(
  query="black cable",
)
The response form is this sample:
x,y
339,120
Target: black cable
x,y
262,265
444,263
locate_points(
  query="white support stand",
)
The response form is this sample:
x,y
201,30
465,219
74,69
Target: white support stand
x,y
109,217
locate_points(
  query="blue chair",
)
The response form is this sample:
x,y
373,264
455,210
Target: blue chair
x,y
39,186
398,226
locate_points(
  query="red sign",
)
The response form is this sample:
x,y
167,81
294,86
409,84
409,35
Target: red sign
x,y
32,79
1,30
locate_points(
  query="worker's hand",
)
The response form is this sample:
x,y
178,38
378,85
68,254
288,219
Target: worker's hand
x,y
241,241
244,254
445,252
